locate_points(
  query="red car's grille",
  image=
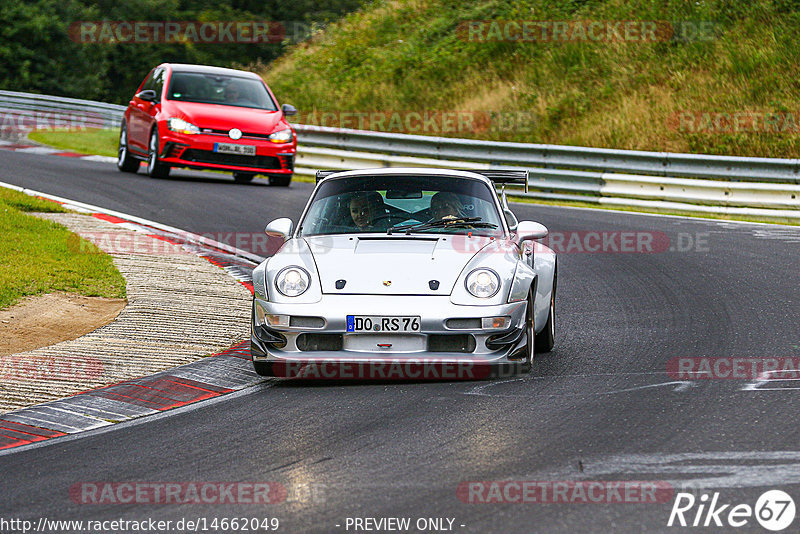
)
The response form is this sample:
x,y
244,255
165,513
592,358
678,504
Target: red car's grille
x,y
207,156
244,134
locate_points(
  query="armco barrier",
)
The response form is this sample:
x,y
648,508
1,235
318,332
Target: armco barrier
x,y
760,187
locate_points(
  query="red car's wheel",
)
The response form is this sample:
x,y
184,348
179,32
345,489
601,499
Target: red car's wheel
x,y
281,180
125,161
155,169
243,177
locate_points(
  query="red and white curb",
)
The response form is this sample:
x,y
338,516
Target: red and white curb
x,y
28,148
214,376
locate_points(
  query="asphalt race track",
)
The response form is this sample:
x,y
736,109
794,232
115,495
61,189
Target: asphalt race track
x,y
601,406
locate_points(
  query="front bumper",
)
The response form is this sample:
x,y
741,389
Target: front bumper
x,y
451,343
197,152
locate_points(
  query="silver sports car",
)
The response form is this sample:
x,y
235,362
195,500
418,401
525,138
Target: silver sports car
x,y
404,273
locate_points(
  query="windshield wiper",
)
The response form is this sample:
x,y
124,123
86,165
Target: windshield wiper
x,y
455,222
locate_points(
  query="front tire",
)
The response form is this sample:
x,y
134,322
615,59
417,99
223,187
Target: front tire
x,y
243,177
280,180
125,161
155,169
547,337
530,336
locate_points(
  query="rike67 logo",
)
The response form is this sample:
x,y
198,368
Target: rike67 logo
x,y
774,510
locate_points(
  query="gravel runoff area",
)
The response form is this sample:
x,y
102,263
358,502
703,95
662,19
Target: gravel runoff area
x,y
180,309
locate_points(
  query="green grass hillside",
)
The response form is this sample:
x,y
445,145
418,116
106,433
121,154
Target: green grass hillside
x,y
733,90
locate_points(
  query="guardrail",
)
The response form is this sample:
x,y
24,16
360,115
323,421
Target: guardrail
x,y
768,188
664,181
23,112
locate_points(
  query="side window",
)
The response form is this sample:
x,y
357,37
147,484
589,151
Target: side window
x,y
158,83
147,83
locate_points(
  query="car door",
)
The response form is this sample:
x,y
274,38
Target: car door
x,y
139,120
154,108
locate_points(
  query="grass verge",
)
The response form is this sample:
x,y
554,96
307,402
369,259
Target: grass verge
x,y
89,141
38,256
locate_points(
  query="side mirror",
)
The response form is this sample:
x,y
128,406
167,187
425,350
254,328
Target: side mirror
x,y
148,95
289,110
527,230
281,228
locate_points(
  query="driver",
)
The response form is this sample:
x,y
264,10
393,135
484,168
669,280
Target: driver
x,y
366,208
234,93
445,204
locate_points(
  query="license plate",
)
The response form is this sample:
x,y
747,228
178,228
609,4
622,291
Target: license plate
x,y
229,148
380,323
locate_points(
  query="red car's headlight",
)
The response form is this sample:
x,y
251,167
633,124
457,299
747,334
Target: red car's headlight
x,y
283,136
181,126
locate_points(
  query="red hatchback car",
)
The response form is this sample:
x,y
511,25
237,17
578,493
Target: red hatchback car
x,y
207,118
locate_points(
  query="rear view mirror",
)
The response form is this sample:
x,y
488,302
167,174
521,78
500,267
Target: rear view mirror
x,y
289,110
403,194
280,228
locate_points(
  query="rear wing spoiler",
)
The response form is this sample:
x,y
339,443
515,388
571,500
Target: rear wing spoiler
x,y
496,176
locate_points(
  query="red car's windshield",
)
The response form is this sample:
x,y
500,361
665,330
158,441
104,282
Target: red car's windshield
x,y
216,89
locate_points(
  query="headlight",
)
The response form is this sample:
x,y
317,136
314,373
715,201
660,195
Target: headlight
x,y
284,136
292,281
483,283
181,126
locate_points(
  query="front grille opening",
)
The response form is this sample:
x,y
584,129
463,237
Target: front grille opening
x,y
306,322
451,343
271,337
317,342
206,156
501,341
467,323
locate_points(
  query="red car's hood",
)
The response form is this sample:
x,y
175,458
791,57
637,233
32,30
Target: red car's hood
x,y
216,116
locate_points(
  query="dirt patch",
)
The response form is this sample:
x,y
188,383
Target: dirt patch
x,y
47,319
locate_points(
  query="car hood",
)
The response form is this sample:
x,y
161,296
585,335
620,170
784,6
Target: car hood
x,y
217,116
392,265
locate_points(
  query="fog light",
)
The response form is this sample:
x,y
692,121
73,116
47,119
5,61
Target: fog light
x,y
278,320
495,323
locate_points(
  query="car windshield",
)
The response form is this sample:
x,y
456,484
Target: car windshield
x,y
216,89
408,204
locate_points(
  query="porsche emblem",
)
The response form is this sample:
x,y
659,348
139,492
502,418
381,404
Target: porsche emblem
x,y
387,283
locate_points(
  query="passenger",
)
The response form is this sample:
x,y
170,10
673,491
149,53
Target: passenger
x,y
367,208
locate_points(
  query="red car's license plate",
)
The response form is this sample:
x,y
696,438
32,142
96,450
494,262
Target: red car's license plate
x,y
229,148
